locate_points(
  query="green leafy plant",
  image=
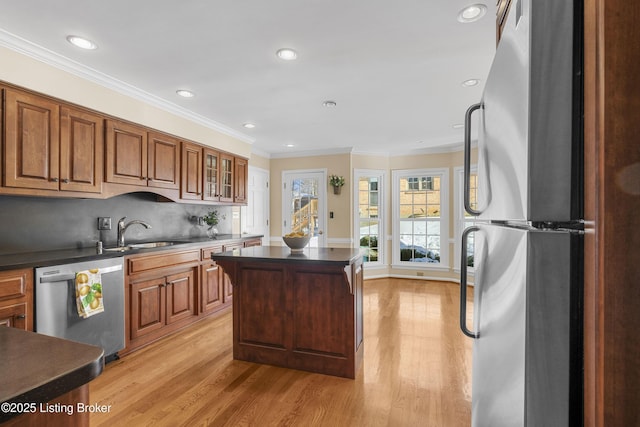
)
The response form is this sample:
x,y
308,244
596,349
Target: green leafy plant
x,y
211,218
336,181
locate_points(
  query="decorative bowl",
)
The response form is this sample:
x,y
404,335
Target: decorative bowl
x,y
296,242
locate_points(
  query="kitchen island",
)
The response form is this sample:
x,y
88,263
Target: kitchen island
x,y
297,310
45,380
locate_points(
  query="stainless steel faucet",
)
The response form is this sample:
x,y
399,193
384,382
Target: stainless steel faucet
x,y
122,227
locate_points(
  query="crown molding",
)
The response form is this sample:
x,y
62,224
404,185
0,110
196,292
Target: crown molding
x,y
46,56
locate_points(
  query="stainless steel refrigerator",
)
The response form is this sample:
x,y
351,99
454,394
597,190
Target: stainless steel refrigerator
x,y
527,241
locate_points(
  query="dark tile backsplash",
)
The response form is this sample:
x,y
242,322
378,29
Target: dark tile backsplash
x,y
37,223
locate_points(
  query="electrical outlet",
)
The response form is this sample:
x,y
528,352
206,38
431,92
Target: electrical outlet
x,y
104,223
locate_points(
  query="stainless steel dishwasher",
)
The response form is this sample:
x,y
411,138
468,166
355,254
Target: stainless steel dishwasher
x,y
56,312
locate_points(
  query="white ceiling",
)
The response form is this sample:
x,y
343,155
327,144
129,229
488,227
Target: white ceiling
x,y
394,68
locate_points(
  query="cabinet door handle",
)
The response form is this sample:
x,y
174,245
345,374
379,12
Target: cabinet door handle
x,y
21,316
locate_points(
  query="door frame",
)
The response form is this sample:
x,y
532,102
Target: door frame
x,y
322,197
246,211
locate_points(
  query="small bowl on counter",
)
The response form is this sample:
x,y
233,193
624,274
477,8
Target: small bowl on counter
x,y
296,241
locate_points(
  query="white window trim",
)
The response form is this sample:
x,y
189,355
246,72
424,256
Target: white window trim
x,y
381,175
458,209
444,218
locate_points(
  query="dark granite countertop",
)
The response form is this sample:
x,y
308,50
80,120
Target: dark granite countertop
x,y
37,368
65,256
319,256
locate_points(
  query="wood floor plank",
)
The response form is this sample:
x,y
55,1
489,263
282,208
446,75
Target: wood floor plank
x,y
416,372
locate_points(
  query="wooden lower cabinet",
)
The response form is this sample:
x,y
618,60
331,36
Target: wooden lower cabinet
x,y
161,302
14,316
211,286
214,292
162,295
16,299
167,291
180,298
148,301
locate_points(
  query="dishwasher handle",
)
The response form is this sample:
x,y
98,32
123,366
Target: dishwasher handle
x,y
71,276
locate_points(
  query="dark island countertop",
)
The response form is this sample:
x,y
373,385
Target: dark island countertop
x,y
317,256
72,255
37,368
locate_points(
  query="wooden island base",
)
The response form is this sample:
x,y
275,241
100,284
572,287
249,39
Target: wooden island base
x,y
300,311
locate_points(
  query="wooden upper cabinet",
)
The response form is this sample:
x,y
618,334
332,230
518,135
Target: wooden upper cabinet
x,y
163,161
226,177
138,157
211,175
191,182
81,150
126,153
31,141
51,146
240,180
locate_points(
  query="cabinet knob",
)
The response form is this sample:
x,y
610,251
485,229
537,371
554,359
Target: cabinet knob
x,y
142,178
54,179
66,181
21,316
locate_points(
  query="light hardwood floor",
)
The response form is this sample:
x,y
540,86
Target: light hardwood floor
x,y
416,372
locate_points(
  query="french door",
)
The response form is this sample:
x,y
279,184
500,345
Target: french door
x,y
304,204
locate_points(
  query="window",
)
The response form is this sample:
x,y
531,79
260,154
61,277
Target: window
x,y
420,210
464,219
369,221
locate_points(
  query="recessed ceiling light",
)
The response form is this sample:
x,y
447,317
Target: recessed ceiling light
x,y
458,126
287,54
330,104
81,42
289,145
249,125
472,13
470,82
185,93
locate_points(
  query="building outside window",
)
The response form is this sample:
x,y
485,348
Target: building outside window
x,y
420,217
369,221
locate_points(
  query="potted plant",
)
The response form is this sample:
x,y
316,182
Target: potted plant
x,y
336,182
211,219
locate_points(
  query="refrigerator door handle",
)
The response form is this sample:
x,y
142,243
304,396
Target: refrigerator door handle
x,y
467,159
463,284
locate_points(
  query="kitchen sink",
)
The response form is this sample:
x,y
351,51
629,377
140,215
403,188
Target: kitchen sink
x,y
133,246
150,245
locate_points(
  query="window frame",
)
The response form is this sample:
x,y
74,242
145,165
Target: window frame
x,y
396,176
381,175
